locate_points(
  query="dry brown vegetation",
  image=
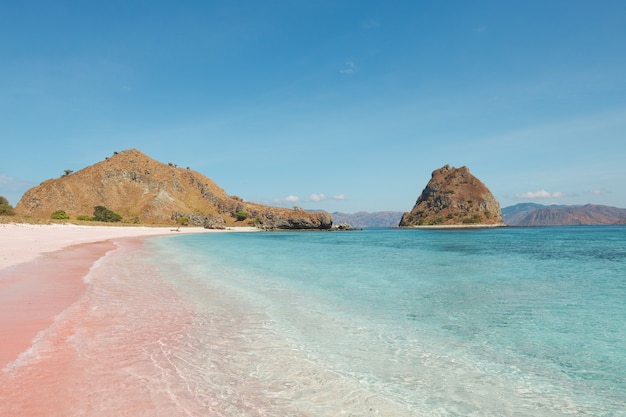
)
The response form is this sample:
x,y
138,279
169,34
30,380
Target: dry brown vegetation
x,y
453,196
143,190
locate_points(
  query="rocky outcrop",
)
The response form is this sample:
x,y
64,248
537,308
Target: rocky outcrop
x,y
454,197
293,219
342,226
196,219
144,190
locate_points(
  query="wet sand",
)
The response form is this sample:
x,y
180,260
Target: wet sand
x,y
60,334
41,274
34,293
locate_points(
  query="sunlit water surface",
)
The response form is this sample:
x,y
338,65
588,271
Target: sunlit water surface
x,y
513,321
389,322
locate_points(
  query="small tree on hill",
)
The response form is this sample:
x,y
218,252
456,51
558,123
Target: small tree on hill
x,y
103,214
5,207
59,215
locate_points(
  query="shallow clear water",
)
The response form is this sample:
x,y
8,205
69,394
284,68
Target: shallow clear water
x,y
511,321
390,322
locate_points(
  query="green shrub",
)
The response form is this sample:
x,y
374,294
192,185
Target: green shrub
x,y
84,217
476,218
103,214
59,215
437,221
5,207
241,215
183,221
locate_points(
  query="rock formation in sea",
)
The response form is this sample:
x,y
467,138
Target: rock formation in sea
x,y
452,197
143,190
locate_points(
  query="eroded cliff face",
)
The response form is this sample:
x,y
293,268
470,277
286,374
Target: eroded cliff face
x,y
453,196
144,190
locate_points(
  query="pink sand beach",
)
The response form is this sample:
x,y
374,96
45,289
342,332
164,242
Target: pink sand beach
x,y
45,273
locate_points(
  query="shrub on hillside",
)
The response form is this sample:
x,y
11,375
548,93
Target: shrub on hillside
x,y
5,207
103,214
59,215
475,219
241,215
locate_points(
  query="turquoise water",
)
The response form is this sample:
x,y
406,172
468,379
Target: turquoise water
x,y
393,322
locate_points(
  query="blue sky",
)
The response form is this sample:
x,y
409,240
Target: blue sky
x,y
335,105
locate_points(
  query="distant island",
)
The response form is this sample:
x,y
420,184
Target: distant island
x,y
364,219
531,214
454,197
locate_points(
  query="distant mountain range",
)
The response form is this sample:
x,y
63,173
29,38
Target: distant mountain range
x,y
363,219
523,214
531,214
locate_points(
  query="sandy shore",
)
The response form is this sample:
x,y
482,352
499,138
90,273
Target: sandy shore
x,y
24,242
42,269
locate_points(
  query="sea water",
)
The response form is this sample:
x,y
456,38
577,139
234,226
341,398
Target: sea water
x,y
472,322
375,322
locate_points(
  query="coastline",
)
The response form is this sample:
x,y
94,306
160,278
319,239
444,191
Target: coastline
x,y
456,226
171,326
43,270
22,242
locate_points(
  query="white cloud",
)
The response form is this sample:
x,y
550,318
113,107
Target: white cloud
x,y
316,197
540,194
349,68
313,198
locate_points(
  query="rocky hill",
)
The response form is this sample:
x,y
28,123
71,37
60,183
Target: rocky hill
x,y
539,215
452,197
144,190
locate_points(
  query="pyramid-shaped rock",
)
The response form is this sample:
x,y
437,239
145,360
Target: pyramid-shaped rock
x,y
454,197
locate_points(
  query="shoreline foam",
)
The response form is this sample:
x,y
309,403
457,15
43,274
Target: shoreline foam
x,y
33,293
42,273
105,340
